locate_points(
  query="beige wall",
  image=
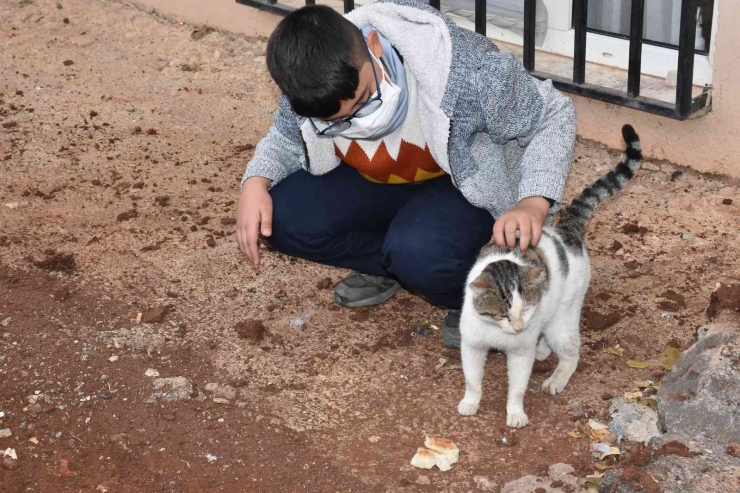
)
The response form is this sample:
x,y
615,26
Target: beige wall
x,y
709,143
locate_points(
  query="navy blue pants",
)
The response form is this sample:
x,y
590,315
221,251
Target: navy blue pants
x,y
426,235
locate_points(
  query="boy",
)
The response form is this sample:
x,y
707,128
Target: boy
x,y
402,144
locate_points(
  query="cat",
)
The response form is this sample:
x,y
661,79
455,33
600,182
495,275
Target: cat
x,y
530,305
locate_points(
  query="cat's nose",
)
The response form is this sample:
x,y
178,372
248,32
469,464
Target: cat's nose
x,y
518,327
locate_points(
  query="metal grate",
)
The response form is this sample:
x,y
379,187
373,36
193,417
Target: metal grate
x,y
686,106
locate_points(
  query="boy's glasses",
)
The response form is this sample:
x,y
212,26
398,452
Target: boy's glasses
x,y
367,108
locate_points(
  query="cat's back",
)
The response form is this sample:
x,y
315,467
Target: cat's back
x,y
567,259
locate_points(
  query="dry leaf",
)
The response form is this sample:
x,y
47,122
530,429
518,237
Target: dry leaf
x,y
631,396
637,364
616,351
577,433
604,436
595,425
612,451
669,358
220,400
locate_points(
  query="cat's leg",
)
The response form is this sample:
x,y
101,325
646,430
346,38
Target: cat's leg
x,y
474,364
519,367
543,350
564,339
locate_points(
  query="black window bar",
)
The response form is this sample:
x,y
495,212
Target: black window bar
x,y
685,106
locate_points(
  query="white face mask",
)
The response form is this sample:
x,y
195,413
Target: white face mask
x,y
376,123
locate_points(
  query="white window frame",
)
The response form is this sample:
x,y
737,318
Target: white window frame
x,y
604,50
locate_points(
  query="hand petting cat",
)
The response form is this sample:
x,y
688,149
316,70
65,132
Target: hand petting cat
x,y
528,216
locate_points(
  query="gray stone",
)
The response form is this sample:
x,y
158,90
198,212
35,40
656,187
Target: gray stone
x,y
563,473
711,470
171,389
5,433
701,395
633,421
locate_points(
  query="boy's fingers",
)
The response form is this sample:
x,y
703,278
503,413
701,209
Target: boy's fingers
x,y
510,232
525,229
536,234
266,220
498,233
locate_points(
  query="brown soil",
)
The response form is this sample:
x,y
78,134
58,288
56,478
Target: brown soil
x,y
337,402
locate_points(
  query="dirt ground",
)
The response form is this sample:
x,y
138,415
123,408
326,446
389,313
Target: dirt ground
x,y
123,139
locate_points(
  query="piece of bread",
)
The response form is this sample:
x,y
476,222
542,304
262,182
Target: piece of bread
x,y
445,447
424,458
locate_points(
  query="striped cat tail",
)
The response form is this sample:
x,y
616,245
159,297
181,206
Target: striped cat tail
x,y
577,214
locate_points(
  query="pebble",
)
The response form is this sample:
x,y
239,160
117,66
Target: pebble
x,y
58,434
113,359
5,433
151,372
106,396
104,378
211,458
686,237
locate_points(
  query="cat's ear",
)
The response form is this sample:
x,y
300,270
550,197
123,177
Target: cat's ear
x,y
480,284
533,272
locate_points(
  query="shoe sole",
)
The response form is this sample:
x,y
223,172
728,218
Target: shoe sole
x,y
375,300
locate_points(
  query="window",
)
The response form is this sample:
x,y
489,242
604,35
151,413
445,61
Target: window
x,y
608,31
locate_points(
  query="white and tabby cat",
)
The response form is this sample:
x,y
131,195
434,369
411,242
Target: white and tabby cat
x,y
529,305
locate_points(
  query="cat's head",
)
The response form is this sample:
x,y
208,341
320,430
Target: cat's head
x,y
507,294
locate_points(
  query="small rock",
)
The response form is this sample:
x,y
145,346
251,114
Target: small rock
x,y
105,396
251,329
221,391
211,458
300,322
113,359
324,283
171,389
221,400
9,463
726,201
162,200
633,421
154,315
676,175
211,242
6,322
125,216
104,378
151,372
68,63
686,237
5,433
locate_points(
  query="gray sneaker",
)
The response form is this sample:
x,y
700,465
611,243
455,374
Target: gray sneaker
x,y
451,329
365,290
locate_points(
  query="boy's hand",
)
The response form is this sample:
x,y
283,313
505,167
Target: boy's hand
x,y
528,216
253,214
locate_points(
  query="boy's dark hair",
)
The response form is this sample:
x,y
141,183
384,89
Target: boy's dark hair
x,y
314,55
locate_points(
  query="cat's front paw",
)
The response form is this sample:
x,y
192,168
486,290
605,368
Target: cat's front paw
x,y
467,408
517,420
553,386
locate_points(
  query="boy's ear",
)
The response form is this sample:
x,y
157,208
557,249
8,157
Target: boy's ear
x,y
373,42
